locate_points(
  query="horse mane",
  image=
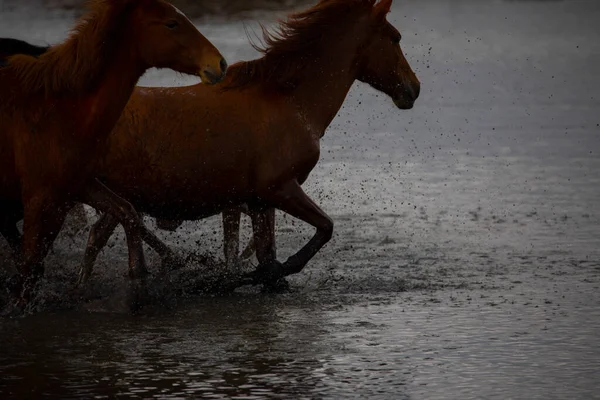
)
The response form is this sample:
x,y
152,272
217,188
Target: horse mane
x,y
287,49
76,64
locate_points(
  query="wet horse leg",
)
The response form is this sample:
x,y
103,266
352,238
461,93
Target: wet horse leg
x,y
102,198
231,234
170,260
251,247
44,215
291,199
100,232
263,225
231,238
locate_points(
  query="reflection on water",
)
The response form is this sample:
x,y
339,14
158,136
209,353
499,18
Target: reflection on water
x,y
465,259
430,346
215,348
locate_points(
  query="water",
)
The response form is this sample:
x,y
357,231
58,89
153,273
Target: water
x,y
465,261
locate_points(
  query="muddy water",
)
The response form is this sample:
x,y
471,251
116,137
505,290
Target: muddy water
x,y
465,261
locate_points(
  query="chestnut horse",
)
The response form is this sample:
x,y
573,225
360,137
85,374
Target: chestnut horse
x,y
190,152
11,46
58,109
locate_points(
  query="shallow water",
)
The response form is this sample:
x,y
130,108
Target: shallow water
x,y
466,256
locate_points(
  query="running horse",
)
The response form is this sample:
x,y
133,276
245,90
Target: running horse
x,y
186,153
231,218
59,108
10,47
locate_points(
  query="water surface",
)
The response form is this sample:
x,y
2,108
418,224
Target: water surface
x,y
465,259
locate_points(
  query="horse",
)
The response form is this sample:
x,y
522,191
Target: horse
x,y
231,217
186,153
59,108
12,46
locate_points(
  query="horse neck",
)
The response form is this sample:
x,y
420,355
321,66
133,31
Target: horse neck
x,y
328,82
114,86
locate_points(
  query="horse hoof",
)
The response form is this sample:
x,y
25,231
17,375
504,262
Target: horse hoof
x,y
277,287
270,272
138,295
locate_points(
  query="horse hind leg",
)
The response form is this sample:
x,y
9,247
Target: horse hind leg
x,y
102,198
170,260
100,232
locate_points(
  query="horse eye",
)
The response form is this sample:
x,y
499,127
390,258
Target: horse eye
x,y
172,24
396,40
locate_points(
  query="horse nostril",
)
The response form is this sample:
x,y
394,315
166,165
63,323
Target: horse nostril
x,y
223,65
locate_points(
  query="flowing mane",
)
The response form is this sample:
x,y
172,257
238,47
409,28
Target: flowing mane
x,y
287,49
76,64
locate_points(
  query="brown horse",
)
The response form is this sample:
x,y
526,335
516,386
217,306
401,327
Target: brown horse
x,y
57,111
231,218
190,152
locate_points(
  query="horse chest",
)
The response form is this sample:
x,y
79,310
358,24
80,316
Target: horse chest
x,y
299,159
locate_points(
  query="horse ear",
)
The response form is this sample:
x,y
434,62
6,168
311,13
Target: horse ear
x,y
382,8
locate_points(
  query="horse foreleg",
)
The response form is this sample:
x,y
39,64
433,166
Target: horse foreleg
x,y
291,199
43,218
100,232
